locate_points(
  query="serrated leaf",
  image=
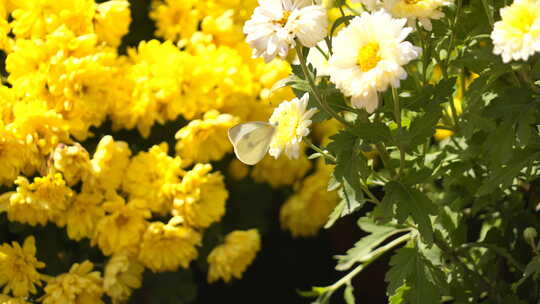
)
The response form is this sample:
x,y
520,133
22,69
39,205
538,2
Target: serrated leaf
x,y
372,133
414,203
504,175
410,267
350,202
362,248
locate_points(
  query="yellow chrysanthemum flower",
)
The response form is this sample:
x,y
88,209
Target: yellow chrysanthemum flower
x,y
9,300
122,227
158,74
175,20
200,198
151,177
73,162
80,285
15,156
237,169
324,130
110,162
282,171
36,124
46,199
194,139
18,266
122,274
36,18
112,21
84,214
306,211
517,35
165,247
71,73
233,257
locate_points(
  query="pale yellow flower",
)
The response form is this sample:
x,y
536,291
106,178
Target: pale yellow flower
x,y
230,259
151,177
122,227
165,247
122,274
306,211
80,285
200,198
194,140
282,171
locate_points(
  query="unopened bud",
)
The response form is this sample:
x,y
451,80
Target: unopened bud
x,y
530,235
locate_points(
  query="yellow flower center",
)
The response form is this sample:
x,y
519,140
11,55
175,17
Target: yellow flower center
x,y
410,2
523,19
368,56
284,18
286,127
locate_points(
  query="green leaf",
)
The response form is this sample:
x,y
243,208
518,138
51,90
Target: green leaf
x,y
373,133
350,164
350,202
531,270
414,203
362,249
399,296
423,127
504,175
348,294
339,21
411,268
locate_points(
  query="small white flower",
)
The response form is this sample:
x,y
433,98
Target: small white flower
x,y
318,60
421,10
369,55
276,23
292,123
517,35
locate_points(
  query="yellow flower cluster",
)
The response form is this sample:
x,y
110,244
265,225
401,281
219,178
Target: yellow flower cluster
x,y
143,209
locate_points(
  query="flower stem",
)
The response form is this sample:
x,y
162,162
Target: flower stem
x,y
323,105
373,256
397,114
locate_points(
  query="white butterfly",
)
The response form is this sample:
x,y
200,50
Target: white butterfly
x,y
251,140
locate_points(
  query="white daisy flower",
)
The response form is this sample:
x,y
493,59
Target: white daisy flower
x,y
517,35
292,122
276,23
318,60
422,10
369,55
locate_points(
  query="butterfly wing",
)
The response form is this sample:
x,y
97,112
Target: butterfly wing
x,y
251,140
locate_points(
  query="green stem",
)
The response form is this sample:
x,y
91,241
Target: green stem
x,y
307,74
474,276
373,256
369,193
324,153
488,12
397,114
525,76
